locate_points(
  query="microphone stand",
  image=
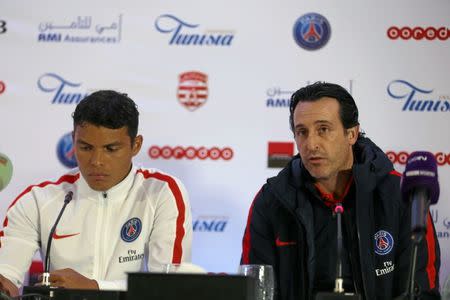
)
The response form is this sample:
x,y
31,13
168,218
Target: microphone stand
x,y
418,230
45,291
339,292
46,274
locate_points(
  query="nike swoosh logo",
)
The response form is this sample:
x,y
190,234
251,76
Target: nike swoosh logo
x,y
57,236
282,243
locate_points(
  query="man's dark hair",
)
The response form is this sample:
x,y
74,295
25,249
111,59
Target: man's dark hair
x,y
347,107
109,109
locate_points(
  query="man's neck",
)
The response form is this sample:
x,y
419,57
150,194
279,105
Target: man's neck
x,y
336,185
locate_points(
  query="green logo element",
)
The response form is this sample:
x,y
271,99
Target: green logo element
x,y
6,170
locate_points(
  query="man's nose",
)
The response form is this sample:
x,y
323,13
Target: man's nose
x,y
97,158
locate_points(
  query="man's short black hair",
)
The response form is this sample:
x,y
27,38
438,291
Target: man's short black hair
x,y
347,107
108,109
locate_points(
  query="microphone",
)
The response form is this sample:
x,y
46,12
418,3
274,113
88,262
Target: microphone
x,y
339,292
46,274
420,187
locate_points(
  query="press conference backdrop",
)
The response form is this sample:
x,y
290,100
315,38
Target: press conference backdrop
x,y
212,80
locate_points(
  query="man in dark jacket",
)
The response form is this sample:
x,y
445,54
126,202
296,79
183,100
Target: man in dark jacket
x,y
292,226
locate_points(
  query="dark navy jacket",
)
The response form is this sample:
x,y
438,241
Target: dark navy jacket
x,y
280,231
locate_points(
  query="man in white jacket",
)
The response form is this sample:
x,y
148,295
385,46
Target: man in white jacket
x,y
122,218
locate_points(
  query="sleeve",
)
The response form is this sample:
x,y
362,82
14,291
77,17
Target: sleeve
x,y
114,285
171,236
428,263
19,239
258,240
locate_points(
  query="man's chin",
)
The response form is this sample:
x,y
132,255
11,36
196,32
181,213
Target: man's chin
x,y
99,187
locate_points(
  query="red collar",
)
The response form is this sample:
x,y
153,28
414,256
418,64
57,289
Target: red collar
x,y
328,198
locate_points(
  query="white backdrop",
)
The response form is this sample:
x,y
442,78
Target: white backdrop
x,y
242,61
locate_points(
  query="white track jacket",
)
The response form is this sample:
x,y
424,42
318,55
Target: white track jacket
x,y
138,225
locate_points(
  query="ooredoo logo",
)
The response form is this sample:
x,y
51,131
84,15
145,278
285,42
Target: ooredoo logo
x,y
2,87
179,152
401,157
418,33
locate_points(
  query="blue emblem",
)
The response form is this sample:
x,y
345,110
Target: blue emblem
x,y
131,230
312,31
384,242
65,151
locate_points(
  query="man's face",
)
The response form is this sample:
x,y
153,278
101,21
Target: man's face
x,y
104,155
324,145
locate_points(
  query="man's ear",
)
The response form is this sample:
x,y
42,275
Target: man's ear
x,y
137,144
352,134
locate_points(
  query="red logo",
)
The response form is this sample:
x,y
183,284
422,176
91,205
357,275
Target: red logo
x,y
192,89
418,33
58,237
282,243
190,152
402,157
279,154
2,87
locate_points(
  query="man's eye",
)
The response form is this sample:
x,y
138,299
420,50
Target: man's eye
x,y
301,132
85,148
323,129
111,149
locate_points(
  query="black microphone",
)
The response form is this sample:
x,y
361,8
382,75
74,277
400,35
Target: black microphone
x,y
339,292
420,187
46,274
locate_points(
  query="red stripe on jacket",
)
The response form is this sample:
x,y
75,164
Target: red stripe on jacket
x,y
431,247
246,240
180,232
394,172
66,178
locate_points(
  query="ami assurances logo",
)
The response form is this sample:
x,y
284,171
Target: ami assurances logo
x,y
183,33
280,97
62,90
81,29
417,98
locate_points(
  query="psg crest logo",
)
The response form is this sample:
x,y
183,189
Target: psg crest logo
x,y
312,31
192,89
384,242
131,230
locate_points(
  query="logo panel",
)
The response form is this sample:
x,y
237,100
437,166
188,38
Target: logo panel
x,y
183,33
192,89
312,31
65,151
416,98
384,242
418,33
64,91
190,153
81,30
279,154
131,230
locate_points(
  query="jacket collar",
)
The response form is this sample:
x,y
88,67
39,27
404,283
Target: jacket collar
x,y
116,193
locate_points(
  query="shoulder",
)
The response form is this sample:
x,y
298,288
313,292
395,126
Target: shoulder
x,y
49,189
155,180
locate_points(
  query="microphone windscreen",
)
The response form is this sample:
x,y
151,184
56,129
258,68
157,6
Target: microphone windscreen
x,y
421,172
